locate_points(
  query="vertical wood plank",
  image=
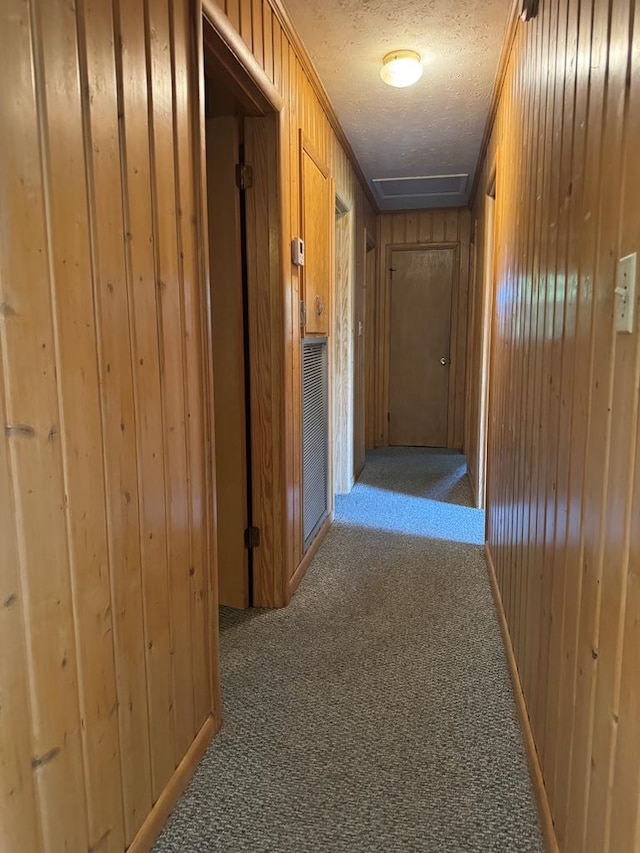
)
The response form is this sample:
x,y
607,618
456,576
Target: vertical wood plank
x,y
19,821
246,21
624,792
116,406
232,9
170,324
267,38
135,128
563,476
192,358
257,30
32,426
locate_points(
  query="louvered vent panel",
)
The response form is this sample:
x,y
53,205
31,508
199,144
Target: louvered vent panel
x,y
315,436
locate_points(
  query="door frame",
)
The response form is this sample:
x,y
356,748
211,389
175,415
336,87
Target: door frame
x,y
342,345
488,309
269,392
370,321
386,331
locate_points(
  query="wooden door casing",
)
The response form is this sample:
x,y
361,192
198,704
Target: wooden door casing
x,y
420,336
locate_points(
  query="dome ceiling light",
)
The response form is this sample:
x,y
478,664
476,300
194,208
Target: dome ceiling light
x,y
401,68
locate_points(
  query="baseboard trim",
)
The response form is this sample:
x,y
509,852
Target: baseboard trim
x,y
535,770
300,572
166,802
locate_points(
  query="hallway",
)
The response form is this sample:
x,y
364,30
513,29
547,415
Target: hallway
x,y
375,713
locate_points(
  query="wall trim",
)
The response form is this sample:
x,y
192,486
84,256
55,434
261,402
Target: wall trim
x,y
301,571
166,802
316,84
535,770
501,74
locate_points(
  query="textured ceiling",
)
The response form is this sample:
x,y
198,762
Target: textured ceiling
x,y
433,128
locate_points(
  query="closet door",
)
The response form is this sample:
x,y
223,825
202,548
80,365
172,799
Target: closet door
x,y
317,224
420,341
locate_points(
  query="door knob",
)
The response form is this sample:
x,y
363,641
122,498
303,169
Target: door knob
x,y
444,361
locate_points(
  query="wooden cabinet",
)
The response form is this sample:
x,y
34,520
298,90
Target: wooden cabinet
x,y
317,224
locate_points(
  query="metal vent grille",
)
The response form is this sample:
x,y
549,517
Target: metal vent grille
x,y
315,436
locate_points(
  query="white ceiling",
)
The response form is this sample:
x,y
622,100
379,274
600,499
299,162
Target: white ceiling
x,y
431,129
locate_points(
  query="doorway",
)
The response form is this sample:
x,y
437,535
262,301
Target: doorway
x,y
422,281
229,340
245,317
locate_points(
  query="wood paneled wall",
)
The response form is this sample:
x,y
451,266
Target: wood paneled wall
x,y
564,473
107,668
423,228
108,626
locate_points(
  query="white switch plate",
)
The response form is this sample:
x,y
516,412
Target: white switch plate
x,y
625,296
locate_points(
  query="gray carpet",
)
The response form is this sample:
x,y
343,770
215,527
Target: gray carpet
x,y
375,713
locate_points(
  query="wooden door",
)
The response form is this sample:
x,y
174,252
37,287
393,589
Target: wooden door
x,y
420,331
227,321
317,223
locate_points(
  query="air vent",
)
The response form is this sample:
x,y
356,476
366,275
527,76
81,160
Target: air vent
x,y
315,437
423,186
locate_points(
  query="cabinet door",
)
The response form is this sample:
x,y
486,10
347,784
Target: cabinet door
x,y
317,222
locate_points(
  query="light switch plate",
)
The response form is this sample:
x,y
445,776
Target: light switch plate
x,y
625,295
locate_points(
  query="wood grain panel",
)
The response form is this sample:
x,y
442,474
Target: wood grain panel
x,y
108,497
563,431
185,136
423,228
119,480
140,258
170,324
19,826
84,452
32,429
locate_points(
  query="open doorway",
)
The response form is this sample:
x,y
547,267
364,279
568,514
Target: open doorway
x,y
244,262
230,343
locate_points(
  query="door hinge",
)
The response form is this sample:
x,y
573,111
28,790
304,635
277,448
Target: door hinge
x,y
388,417
252,537
303,313
244,176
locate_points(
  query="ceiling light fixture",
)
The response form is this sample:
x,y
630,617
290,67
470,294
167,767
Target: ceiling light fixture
x,y
401,68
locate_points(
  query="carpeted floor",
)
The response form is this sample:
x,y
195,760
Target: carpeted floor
x,y
375,713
